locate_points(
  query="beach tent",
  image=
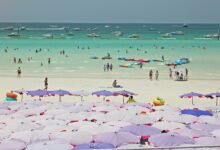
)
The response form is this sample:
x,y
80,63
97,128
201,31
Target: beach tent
x,y
191,95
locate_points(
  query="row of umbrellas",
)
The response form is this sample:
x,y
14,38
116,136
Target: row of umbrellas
x,y
81,93
34,125
199,95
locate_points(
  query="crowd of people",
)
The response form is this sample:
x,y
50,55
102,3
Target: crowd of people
x,y
151,75
108,67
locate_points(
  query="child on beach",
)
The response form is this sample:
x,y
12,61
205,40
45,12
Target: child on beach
x,y
157,74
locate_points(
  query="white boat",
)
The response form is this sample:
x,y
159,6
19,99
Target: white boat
x,y
107,26
93,35
133,36
23,28
214,35
9,28
76,29
14,34
177,33
167,35
48,36
117,33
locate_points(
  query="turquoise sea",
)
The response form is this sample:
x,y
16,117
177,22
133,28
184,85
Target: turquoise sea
x,y
150,44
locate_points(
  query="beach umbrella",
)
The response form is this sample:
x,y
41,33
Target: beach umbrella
x,y
192,133
168,125
50,145
191,95
124,93
103,93
169,139
141,130
207,141
196,112
92,146
81,93
116,138
216,133
59,93
134,147
211,95
209,119
39,92
12,145
204,127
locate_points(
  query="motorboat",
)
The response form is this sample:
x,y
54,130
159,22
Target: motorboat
x,y
48,36
23,28
93,35
177,33
117,33
185,25
107,26
133,36
14,34
167,35
76,29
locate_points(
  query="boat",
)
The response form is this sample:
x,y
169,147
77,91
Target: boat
x,y
117,33
76,29
48,36
94,35
214,35
70,33
177,33
9,28
23,28
107,26
167,35
14,34
133,36
185,25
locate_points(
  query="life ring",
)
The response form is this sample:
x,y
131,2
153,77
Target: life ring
x,y
11,95
158,101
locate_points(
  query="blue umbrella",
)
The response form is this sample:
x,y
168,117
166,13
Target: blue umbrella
x,y
124,93
141,130
92,146
211,95
191,95
39,92
196,112
60,93
103,93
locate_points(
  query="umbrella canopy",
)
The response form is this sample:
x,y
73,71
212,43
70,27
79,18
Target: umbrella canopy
x,y
141,130
169,139
60,93
204,127
93,146
191,95
207,141
39,92
116,138
196,112
124,93
103,93
211,95
81,93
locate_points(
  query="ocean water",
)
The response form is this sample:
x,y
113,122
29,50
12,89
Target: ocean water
x,y
203,52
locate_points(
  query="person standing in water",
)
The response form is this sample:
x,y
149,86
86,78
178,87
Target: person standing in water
x,y
46,83
187,74
150,74
15,61
49,60
170,73
19,72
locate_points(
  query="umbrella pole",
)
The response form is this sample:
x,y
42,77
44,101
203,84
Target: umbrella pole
x,y
104,98
192,101
81,98
59,98
216,101
21,97
123,99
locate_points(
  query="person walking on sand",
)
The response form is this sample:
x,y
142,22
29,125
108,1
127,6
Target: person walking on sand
x,y
157,74
107,66
46,83
19,72
49,60
111,67
187,73
170,73
150,74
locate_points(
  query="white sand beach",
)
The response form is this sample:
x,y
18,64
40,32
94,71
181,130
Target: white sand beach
x,y
147,90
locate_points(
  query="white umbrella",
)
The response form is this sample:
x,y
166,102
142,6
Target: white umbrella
x,y
12,145
50,145
119,124
139,119
192,133
207,141
209,120
81,93
168,125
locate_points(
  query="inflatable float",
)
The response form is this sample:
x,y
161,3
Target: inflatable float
x,y
10,96
182,61
127,66
158,101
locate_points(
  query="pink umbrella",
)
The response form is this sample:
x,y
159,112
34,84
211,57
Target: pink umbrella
x,y
191,95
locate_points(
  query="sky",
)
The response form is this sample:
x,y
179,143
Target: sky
x,y
110,11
